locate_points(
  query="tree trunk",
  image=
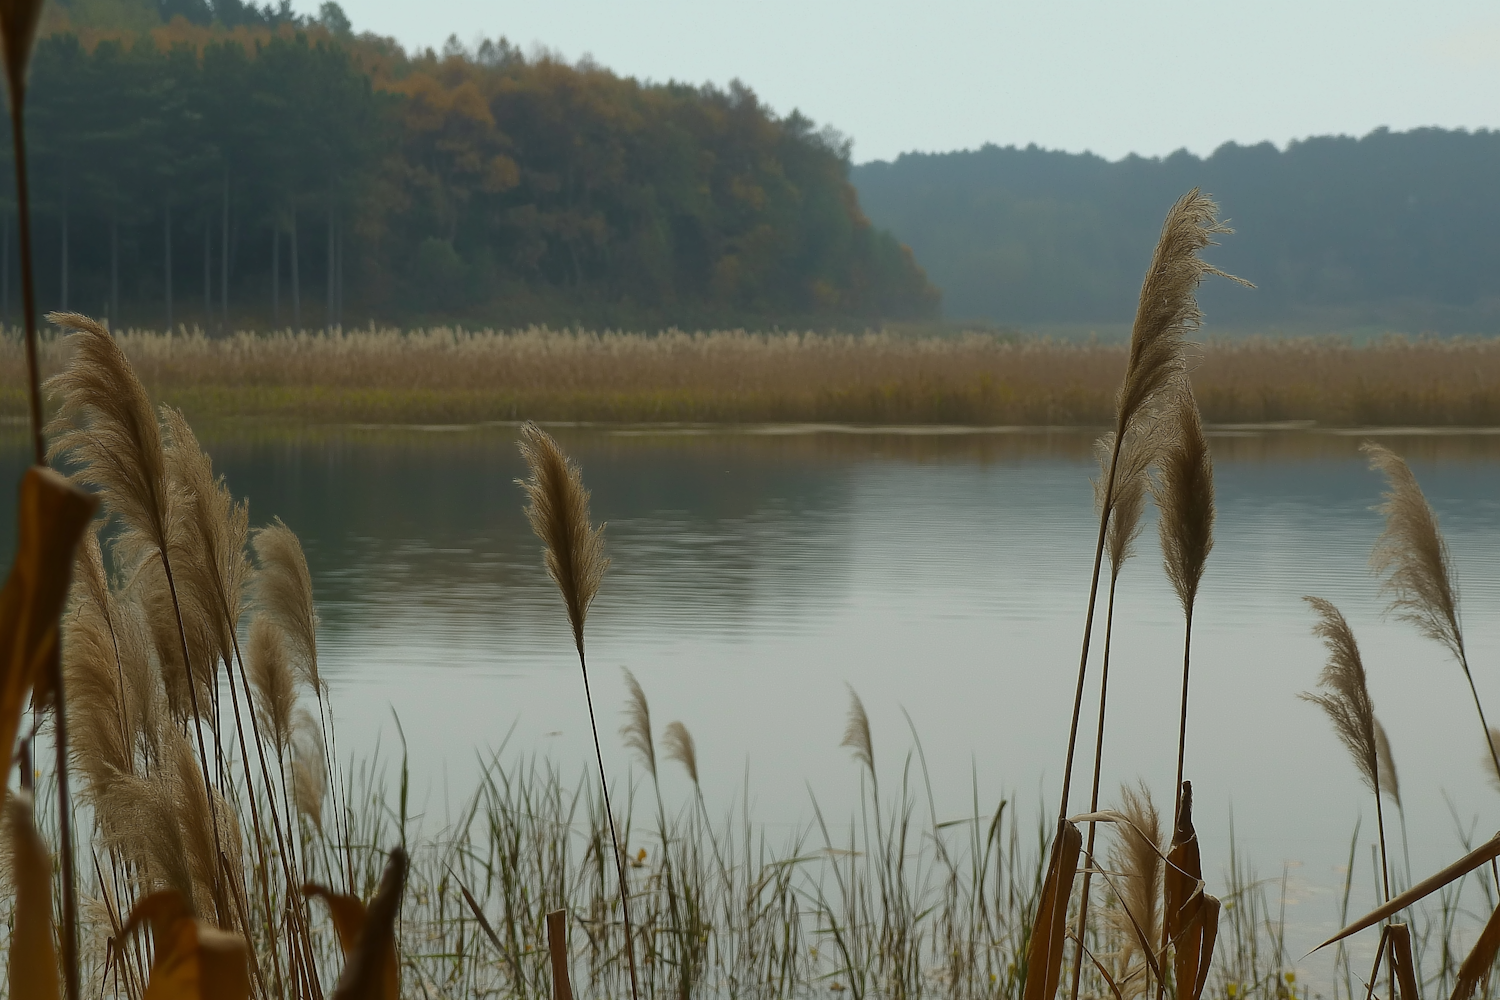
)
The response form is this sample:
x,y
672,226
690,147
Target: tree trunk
x,y
275,276
65,251
114,270
167,269
224,260
296,279
328,309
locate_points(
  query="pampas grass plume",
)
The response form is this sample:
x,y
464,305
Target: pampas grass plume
x,y
1184,494
1345,696
1132,482
677,744
283,590
857,733
271,673
637,727
558,511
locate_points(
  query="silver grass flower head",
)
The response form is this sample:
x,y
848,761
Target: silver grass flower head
x,y
857,733
284,591
1136,856
271,673
1184,494
558,510
1412,555
106,425
1168,312
637,727
677,744
1132,482
1344,695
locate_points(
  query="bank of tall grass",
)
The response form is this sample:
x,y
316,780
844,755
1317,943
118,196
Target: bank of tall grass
x,y
465,376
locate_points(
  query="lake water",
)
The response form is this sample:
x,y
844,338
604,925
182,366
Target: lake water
x,y
756,574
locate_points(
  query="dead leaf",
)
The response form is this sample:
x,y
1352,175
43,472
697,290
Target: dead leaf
x,y
53,516
194,959
1045,954
1406,968
1480,960
33,954
1489,849
371,969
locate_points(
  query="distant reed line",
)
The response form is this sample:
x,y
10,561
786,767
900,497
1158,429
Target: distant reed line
x,y
447,375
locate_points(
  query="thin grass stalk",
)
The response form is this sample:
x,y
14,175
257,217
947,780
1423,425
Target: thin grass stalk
x,y
1088,854
39,457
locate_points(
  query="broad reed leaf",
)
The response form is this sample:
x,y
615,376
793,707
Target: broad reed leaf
x,y
371,969
557,948
1182,881
53,516
1486,851
1480,960
194,959
1045,953
1401,958
484,922
33,955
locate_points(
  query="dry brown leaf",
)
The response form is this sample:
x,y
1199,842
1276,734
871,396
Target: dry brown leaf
x,y
1480,960
1489,849
1195,949
1182,881
371,969
33,955
194,959
1401,958
53,516
1045,954
557,947
348,914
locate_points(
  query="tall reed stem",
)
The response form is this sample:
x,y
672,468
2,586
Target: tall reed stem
x,y
609,814
39,455
1088,622
1088,854
1187,649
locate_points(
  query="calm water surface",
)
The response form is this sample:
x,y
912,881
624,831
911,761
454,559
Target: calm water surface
x,y
944,577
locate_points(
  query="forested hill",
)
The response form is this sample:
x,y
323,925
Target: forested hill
x,y
278,169
1393,231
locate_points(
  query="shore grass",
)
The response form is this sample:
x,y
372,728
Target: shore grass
x,y
448,376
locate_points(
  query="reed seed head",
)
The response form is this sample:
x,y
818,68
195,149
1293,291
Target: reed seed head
x,y
106,425
637,728
1132,481
271,673
1184,494
677,744
283,590
857,733
309,767
1136,858
1412,556
558,510
1168,309
1345,697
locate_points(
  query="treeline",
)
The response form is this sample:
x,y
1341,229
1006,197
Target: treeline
x,y
291,173
1393,231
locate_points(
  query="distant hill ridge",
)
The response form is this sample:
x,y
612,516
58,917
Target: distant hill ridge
x,y
1392,231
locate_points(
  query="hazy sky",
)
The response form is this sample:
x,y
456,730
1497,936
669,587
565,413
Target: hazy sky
x,y
1148,76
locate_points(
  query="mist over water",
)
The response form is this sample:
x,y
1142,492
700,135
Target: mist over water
x,y
941,575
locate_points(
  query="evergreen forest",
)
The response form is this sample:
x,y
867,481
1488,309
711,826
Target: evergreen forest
x,y
1394,231
233,165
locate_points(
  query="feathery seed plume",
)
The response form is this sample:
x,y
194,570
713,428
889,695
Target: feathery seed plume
x,y
1168,309
1136,855
272,676
283,589
637,728
1132,480
1345,696
1184,494
309,769
857,733
1412,555
1390,782
559,514
106,425
677,744
208,550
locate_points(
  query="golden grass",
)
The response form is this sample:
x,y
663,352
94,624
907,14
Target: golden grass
x,y
459,376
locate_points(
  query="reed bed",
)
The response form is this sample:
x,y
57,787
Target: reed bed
x,y
465,376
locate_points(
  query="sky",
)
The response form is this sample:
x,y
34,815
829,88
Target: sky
x,y
1120,77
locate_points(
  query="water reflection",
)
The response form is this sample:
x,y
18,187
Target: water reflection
x,y
941,574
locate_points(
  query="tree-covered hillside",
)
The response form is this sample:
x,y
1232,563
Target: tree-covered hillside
x,y
277,169
1391,231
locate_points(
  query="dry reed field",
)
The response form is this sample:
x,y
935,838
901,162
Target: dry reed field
x,y
465,376
182,797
